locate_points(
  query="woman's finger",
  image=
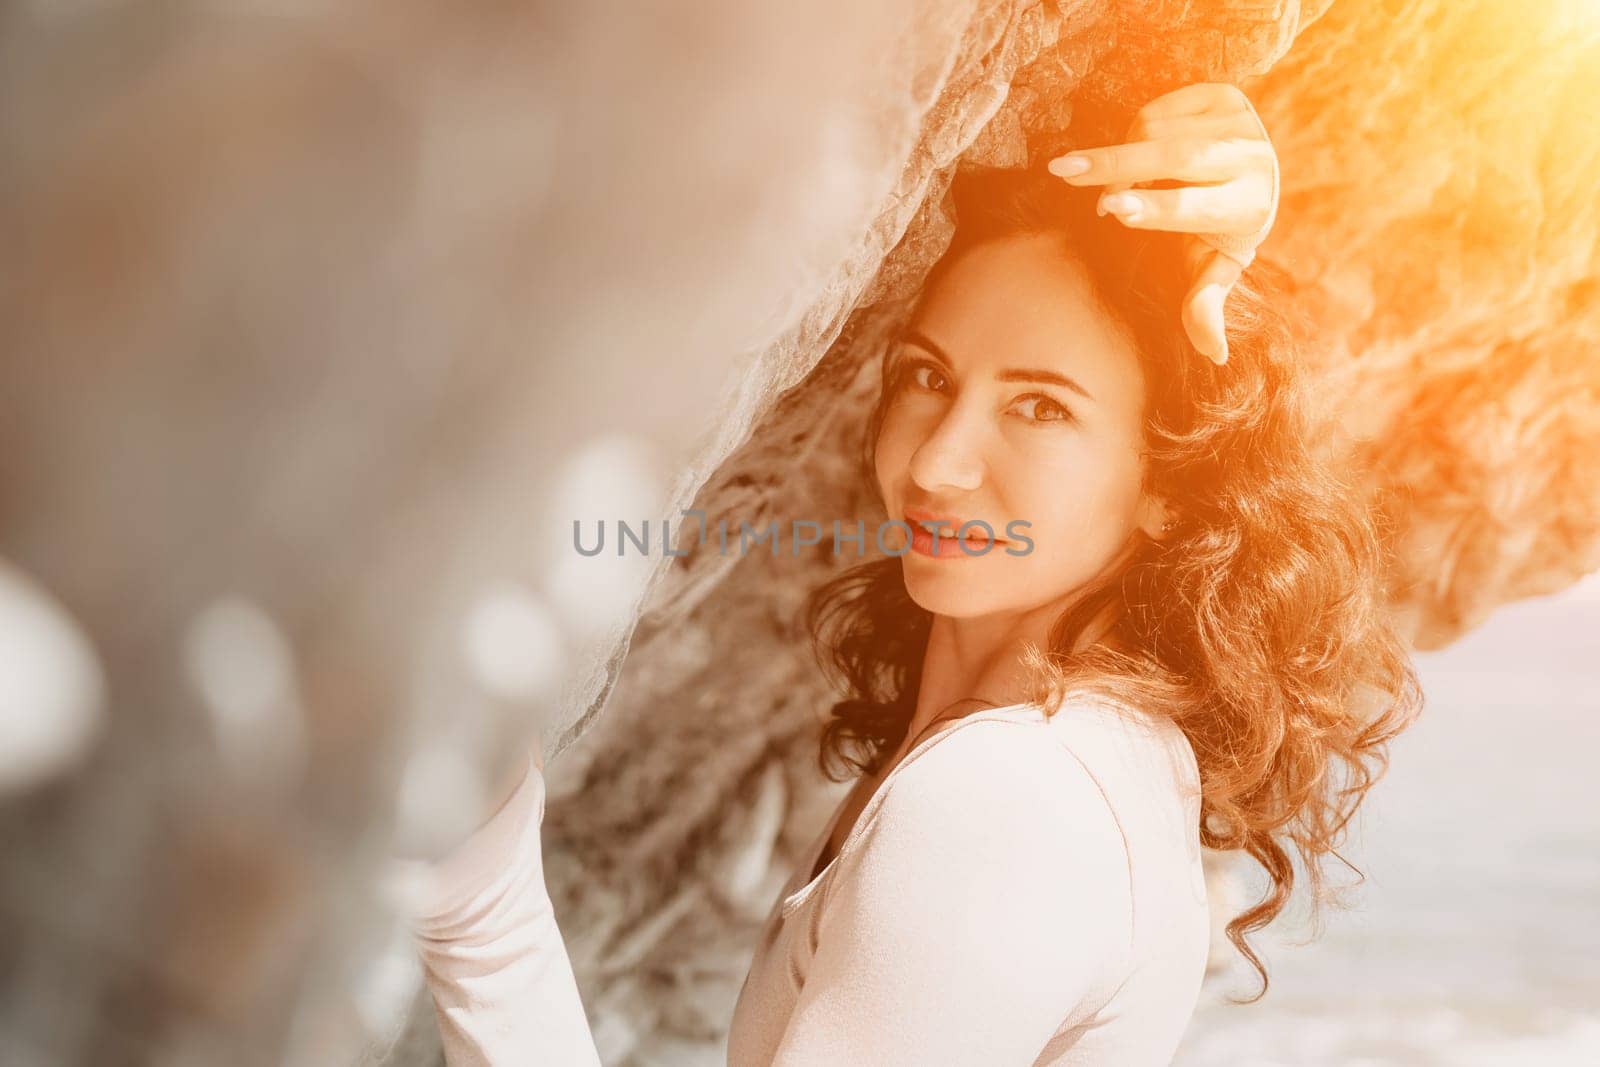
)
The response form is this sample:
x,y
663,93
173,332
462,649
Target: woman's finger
x,y
1237,124
1203,307
1116,187
1195,99
1187,159
1240,206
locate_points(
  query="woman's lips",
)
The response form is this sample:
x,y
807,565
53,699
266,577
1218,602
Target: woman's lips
x,y
977,543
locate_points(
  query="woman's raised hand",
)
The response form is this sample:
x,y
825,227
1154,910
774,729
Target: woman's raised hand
x,y
1206,144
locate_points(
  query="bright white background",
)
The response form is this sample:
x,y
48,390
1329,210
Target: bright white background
x,y
1476,938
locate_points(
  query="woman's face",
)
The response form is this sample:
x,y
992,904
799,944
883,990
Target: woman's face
x,y
1015,397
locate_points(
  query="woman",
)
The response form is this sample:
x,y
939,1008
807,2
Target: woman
x,y
1135,617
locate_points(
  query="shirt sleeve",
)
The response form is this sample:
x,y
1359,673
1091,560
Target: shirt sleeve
x,y
495,964
987,904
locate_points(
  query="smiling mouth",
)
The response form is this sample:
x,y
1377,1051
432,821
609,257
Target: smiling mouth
x,y
946,529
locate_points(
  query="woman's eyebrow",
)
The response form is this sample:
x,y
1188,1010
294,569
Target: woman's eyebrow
x,y
1010,374
1013,374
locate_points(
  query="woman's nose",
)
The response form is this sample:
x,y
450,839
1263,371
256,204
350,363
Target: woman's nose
x,y
951,456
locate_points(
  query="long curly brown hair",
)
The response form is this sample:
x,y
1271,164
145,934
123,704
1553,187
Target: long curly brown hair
x,y
1259,626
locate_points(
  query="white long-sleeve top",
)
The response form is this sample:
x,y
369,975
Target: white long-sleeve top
x,y
502,983
1020,889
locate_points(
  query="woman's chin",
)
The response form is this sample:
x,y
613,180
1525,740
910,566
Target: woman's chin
x,y
968,592
943,592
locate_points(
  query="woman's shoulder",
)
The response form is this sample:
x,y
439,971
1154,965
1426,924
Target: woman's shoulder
x,y
998,773
995,817
992,863
1146,767
1118,740
1081,734
1086,763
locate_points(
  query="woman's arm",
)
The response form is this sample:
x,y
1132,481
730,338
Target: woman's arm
x,y
498,971
988,902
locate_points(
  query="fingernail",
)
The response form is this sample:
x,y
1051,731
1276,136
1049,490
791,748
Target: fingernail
x,y
1124,205
1070,166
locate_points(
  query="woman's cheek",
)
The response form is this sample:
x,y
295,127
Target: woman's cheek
x,y
1083,506
899,436
885,456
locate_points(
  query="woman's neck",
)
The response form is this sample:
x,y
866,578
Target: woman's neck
x,y
979,661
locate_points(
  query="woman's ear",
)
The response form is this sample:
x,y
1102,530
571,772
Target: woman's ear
x,y
1156,517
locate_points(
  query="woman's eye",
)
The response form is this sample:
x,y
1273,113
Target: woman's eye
x,y
1038,408
923,376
